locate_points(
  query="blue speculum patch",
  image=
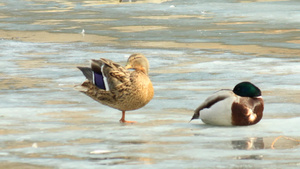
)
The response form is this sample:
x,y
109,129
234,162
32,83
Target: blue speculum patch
x,y
99,81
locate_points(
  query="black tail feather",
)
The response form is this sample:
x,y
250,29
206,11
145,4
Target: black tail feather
x,y
195,116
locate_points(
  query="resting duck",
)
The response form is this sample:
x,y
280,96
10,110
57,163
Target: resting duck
x,y
116,86
241,106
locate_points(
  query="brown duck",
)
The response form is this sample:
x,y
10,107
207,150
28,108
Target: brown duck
x,y
115,86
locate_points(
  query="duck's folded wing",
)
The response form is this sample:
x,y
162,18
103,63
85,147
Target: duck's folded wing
x,y
114,73
210,101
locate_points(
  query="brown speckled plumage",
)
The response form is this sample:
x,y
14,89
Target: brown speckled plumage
x,y
128,89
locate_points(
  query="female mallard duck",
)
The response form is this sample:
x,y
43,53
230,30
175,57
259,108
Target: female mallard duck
x,y
241,107
115,86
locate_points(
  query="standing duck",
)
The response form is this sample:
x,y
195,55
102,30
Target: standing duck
x,y
241,106
118,87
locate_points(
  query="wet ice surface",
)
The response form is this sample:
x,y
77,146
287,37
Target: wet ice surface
x,y
194,47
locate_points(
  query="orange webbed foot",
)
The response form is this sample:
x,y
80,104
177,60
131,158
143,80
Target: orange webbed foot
x,y
122,120
127,122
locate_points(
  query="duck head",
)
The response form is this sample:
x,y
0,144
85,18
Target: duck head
x,y
247,89
138,62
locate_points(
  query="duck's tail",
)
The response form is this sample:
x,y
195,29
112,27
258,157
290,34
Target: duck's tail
x,y
195,116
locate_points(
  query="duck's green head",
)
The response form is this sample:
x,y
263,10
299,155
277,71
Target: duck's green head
x,y
247,89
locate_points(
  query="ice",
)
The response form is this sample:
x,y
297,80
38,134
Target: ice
x,y
195,48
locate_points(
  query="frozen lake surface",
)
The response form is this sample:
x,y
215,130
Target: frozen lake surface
x,y
195,47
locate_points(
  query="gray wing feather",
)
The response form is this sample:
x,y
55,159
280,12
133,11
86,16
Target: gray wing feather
x,y
87,72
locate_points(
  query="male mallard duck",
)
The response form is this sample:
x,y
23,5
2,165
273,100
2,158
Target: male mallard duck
x,y
240,107
115,86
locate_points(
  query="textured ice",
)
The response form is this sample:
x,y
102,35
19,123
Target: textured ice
x,y
195,48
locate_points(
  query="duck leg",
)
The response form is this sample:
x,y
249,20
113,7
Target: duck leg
x,y
122,120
